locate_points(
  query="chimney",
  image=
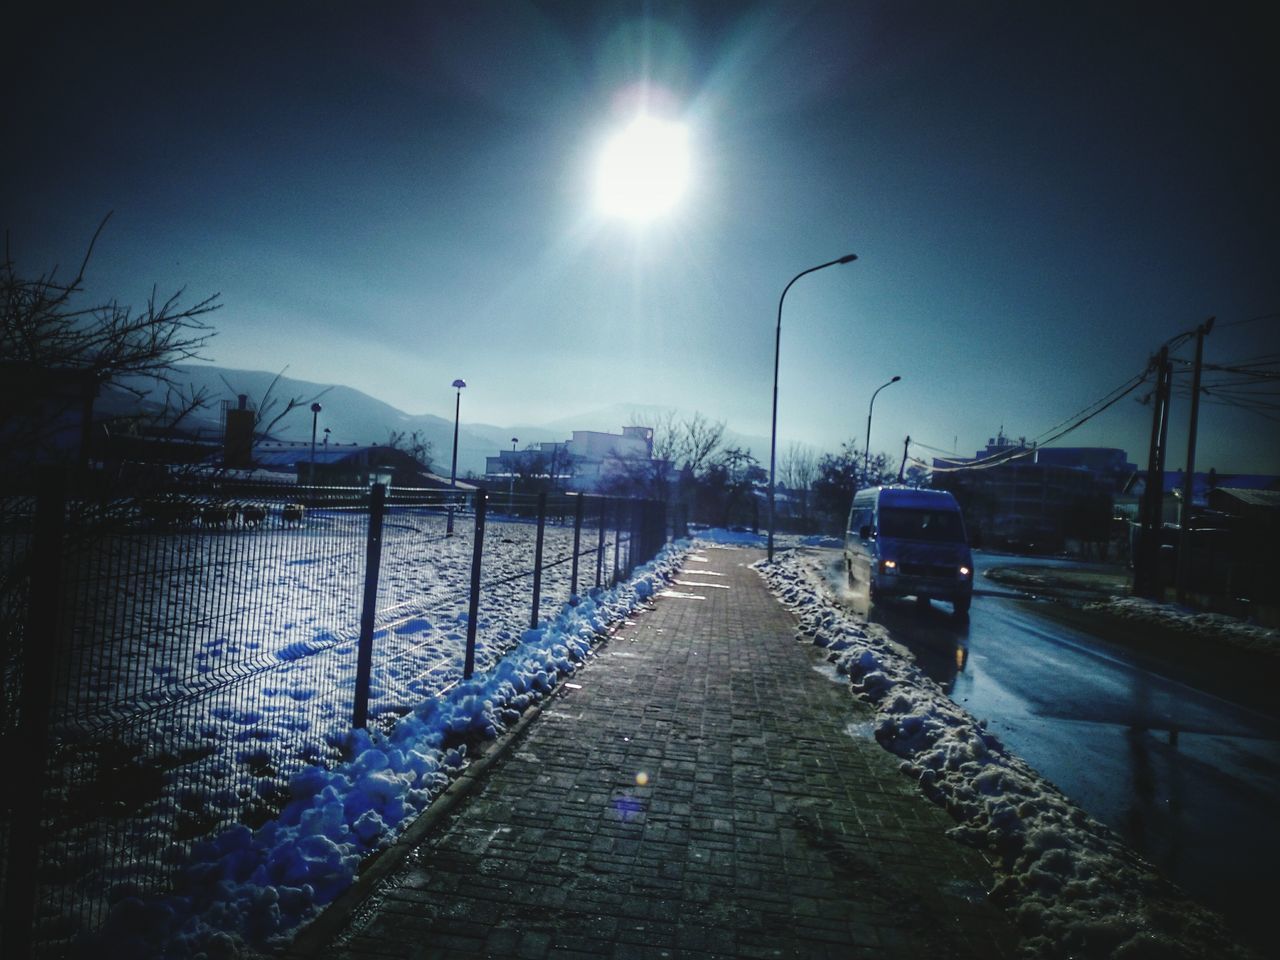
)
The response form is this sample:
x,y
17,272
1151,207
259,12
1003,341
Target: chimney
x,y
237,439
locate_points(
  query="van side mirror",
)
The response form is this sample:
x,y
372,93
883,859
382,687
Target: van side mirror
x,y
865,533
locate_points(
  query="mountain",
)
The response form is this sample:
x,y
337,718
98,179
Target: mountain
x,y
355,417
352,417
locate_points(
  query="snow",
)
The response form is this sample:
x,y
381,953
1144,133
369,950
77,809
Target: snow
x,y
1070,884
1212,626
246,889
1072,887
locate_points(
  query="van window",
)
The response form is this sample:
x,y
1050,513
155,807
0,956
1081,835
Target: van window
x,y
911,523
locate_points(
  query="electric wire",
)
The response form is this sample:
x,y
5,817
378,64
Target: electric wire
x,y
1068,425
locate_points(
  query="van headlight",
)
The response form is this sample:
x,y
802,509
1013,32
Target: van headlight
x,y
888,564
964,572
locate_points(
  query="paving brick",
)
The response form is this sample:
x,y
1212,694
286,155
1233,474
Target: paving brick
x,y
764,829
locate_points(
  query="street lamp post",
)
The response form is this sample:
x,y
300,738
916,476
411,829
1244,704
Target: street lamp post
x,y
777,347
311,478
453,470
866,449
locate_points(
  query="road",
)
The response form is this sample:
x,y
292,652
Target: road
x,y
1190,780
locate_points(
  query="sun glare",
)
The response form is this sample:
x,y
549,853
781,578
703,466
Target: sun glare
x,y
643,170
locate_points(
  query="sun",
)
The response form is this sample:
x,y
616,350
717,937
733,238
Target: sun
x,y
643,170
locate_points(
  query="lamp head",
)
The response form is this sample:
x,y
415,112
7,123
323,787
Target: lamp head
x,y
848,258
459,383
316,408
895,379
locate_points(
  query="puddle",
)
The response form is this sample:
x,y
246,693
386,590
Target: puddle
x,y
691,583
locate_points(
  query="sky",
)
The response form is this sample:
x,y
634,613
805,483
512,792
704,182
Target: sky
x,y
393,196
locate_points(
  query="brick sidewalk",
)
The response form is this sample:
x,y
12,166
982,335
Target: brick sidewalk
x,y
699,790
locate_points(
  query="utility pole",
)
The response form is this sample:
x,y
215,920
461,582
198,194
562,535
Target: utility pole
x,y
1184,515
902,467
1146,574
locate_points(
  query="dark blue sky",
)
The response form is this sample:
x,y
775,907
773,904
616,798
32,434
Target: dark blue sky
x,y
395,195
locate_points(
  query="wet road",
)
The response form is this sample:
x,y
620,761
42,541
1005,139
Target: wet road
x,y
1190,780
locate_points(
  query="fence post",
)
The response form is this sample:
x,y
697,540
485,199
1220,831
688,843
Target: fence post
x,y
372,564
473,611
617,540
30,743
537,559
577,540
600,544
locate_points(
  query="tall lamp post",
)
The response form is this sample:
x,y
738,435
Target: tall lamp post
x,y
866,449
311,479
777,347
453,470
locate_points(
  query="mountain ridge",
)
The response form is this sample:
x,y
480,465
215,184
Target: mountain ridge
x,y
355,417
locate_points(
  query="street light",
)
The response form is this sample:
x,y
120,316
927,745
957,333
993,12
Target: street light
x,y
866,450
453,470
777,347
315,413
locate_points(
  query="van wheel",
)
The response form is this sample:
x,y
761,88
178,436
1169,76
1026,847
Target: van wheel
x,y
922,600
962,607
872,593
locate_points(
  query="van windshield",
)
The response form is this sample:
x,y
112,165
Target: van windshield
x,y
909,523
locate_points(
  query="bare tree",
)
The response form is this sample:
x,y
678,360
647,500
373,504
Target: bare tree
x,y
41,325
699,441
57,350
269,403
415,444
798,470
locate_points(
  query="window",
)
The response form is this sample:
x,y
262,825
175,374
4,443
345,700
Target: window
x,y
909,523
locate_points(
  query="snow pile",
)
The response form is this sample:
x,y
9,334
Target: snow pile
x,y
1072,886
1213,626
245,888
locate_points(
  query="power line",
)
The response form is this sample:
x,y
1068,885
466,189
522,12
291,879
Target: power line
x,y
1080,419
1264,316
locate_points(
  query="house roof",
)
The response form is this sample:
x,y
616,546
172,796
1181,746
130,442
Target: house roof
x,y
1201,485
1254,498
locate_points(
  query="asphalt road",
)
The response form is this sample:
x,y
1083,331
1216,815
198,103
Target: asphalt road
x,y
1189,779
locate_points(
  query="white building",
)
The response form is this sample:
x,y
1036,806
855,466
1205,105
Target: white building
x,y
590,462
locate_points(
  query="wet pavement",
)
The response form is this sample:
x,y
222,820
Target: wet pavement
x,y
1187,778
700,789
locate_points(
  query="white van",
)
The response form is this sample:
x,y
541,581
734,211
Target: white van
x,y
907,542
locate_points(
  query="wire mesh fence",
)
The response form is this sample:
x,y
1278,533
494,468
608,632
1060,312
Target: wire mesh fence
x,y
179,658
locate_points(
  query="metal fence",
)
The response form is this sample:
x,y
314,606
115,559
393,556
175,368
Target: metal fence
x,y
170,662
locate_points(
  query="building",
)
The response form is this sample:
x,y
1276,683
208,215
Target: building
x,y
351,465
1017,495
1203,488
590,462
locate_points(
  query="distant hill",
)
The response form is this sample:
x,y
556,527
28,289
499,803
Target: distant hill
x,y
351,415
355,417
